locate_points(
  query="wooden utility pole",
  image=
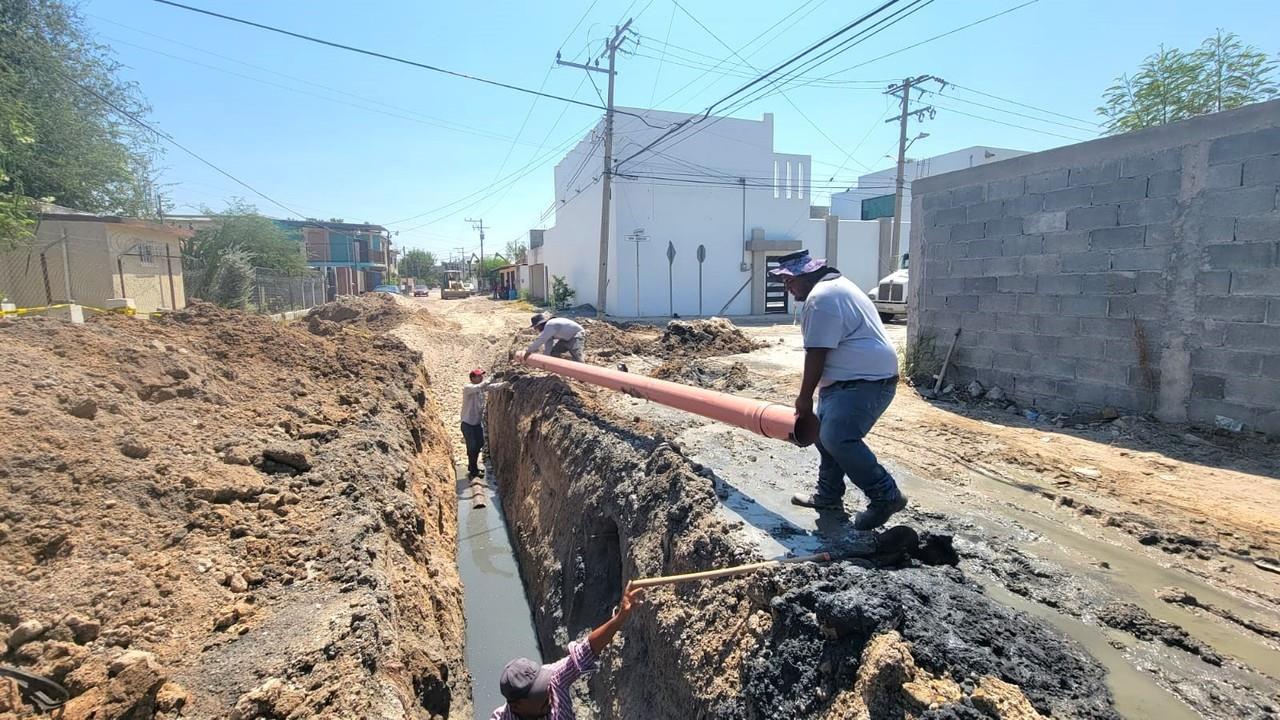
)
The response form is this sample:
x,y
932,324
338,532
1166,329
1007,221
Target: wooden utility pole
x,y
903,92
611,47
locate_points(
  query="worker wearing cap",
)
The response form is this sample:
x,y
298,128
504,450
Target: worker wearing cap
x,y
473,417
850,362
556,336
537,691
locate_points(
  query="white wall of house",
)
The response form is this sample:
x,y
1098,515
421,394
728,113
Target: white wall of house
x,y
712,188
848,204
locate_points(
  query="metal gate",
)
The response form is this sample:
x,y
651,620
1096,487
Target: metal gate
x,y
775,293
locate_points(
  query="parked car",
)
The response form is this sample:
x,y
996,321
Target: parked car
x,y
388,289
421,290
890,294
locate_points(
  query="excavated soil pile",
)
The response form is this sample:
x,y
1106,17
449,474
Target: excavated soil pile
x,y
215,515
703,338
730,378
681,340
591,503
376,313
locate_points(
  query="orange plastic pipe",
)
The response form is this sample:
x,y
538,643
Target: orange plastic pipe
x,y
758,416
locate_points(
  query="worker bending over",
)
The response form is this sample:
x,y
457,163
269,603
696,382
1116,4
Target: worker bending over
x,y
556,336
473,418
535,691
850,362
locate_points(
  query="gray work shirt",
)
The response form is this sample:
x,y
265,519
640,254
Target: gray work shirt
x,y
840,317
555,329
473,400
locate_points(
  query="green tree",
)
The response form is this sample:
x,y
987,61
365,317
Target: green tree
x,y
70,146
419,265
242,227
561,293
1233,74
516,250
1172,85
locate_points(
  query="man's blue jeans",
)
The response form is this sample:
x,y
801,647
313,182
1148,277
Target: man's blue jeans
x,y
846,414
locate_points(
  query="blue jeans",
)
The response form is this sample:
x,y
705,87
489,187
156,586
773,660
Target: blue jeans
x,y
846,414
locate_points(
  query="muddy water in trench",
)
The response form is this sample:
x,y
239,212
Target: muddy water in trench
x,y
499,623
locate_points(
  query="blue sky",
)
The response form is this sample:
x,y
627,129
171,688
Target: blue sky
x,y
334,134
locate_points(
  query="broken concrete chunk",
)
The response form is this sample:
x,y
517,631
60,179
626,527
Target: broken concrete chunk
x,y
84,631
975,389
238,584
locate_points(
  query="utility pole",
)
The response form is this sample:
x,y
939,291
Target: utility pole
x,y
479,226
611,47
903,92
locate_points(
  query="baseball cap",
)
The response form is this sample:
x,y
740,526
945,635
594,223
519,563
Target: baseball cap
x,y
478,372
523,678
797,263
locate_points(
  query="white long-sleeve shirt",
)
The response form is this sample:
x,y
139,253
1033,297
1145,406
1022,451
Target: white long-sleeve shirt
x,y
555,329
473,400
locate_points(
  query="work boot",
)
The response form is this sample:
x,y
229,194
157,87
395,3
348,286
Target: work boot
x,y
879,511
813,500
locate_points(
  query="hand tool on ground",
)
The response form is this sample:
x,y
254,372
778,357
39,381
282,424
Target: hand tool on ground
x,y
942,374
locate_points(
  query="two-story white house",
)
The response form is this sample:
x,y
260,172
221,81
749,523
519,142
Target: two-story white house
x,y
718,184
872,197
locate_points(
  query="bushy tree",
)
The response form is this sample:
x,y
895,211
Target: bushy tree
x,y
242,227
419,265
516,250
1223,73
561,293
61,139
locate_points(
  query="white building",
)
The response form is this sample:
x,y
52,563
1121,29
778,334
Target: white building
x,y
720,185
872,197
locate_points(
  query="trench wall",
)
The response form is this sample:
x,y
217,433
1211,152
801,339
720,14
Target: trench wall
x,y
1140,271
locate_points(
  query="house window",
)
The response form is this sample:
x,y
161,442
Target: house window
x,y
877,207
147,254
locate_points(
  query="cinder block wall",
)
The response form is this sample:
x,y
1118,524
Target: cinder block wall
x,y
1140,272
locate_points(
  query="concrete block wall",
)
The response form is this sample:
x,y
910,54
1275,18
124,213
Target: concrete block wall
x,y
1140,272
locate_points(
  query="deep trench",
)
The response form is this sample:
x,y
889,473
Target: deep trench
x,y
590,501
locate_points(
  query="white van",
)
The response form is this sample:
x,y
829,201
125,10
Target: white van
x,y
890,294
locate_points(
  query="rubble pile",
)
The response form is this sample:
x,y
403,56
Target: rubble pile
x,y
725,378
216,515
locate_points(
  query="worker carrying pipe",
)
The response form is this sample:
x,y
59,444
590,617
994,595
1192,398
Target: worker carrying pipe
x,y
849,361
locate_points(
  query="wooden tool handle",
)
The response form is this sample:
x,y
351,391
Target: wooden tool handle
x,y
725,572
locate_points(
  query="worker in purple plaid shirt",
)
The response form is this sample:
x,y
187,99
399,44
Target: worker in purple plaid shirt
x,y
541,692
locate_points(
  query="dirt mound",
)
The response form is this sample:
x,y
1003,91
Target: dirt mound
x,y
774,645
730,378
703,338
681,340
216,513
376,312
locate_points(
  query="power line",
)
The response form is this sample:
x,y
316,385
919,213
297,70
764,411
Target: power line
x,y
1025,105
1012,125
384,56
1022,115
106,101
935,37
707,113
877,27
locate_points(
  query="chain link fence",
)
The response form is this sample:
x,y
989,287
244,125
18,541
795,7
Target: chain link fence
x,y
254,289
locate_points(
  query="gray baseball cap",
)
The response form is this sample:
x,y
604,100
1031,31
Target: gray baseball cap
x,y
523,678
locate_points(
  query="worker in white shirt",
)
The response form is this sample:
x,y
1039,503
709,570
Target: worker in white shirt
x,y
557,336
473,418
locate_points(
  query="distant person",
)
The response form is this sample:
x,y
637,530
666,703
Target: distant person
x,y
473,418
541,692
848,359
557,336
